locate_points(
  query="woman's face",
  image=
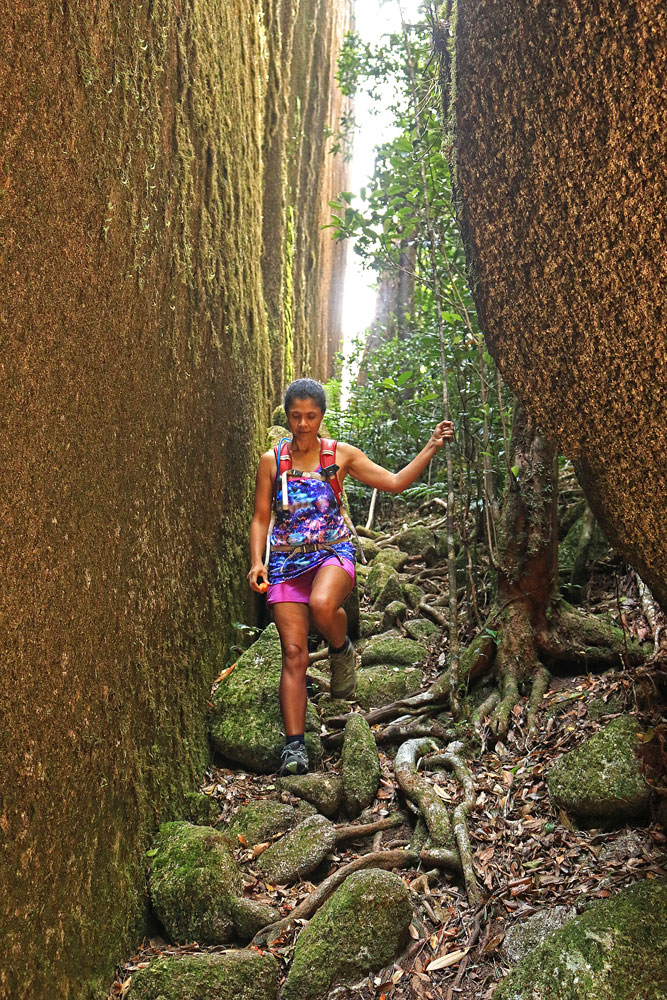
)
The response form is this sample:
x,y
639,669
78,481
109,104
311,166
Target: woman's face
x,y
304,417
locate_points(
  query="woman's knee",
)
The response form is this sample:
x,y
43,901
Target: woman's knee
x,y
322,607
295,656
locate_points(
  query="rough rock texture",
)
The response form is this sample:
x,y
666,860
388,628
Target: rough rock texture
x,y
559,146
415,541
245,723
360,765
324,791
423,631
192,881
601,780
360,929
393,613
383,684
525,935
200,808
226,975
616,950
384,649
412,594
153,154
257,821
299,852
250,915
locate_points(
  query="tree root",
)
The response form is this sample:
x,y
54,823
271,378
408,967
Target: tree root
x,y
537,692
421,792
441,857
451,760
485,708
398,858
465,853
348,831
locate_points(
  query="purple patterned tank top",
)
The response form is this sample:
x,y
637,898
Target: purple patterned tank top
x,y
314,517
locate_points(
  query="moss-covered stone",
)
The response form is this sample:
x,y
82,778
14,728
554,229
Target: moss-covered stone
x,y
324,791
360,929
274,435
412,595
422,630
601,780
192,881
250,915
329,707
388,649
227,975
299,852
390,557
390,592
597,707
260,820
394,612
525,935
279,417
415,541
246,725
369,548
200,808
616,950
384,683
369,625
360,765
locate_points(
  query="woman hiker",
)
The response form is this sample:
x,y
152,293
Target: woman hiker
x,y
311,567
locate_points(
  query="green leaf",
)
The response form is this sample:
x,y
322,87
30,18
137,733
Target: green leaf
x,y
152,852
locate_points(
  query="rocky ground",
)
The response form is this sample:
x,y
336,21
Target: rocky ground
x,y
422,857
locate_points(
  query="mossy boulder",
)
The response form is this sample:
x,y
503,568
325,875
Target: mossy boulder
x,y
391,557
299,852
412,595
390,649
274,435
422,630
226,975
360,765
250,915
526,935
279,418
324,791
369,625
360,929
200,808
616,950
246,725
391,592
385,683
329,707
260,820
601,781
394,612
369,548
192,881
415,541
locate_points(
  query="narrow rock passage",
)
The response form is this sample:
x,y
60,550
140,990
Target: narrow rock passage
x,y
400,863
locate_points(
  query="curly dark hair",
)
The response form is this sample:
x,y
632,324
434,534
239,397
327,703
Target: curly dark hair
x,y
305,388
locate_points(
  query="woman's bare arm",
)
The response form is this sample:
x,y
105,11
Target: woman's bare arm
x,y
261,519
360,466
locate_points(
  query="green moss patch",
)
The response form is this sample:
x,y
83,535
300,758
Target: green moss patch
x,y
360,929
324,791
259,820
389,649
601,780
227,975
616,950
386,683
360,765
299,852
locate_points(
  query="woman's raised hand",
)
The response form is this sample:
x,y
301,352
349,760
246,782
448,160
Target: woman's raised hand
x,y
444,431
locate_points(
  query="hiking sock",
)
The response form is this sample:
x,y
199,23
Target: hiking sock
x,y
339,649
297,738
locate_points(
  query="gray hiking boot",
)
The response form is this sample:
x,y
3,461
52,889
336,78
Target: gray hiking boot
x,y
343,671
293,760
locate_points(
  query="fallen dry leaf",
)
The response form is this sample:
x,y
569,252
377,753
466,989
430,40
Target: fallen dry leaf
x,y
446,960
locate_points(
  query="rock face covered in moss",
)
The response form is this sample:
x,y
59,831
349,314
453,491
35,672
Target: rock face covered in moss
x,y
192,882
360,765
363,927
161,159
227,975
246,724
559,149
601,780
299,852
616,950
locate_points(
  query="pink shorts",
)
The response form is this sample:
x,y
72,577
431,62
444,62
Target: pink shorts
x,y
297,590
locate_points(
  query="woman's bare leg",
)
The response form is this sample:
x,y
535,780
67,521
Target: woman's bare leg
x,y
331,587
292,621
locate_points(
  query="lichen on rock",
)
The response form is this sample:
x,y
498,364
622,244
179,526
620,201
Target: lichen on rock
x,y
384,683
616,950
246,725
299,852
415,541
601,780
388,649
324,791
227,975
360,765
192,881
360,929
258,820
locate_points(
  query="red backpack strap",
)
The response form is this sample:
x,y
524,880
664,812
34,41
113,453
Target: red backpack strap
x,y
328,457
